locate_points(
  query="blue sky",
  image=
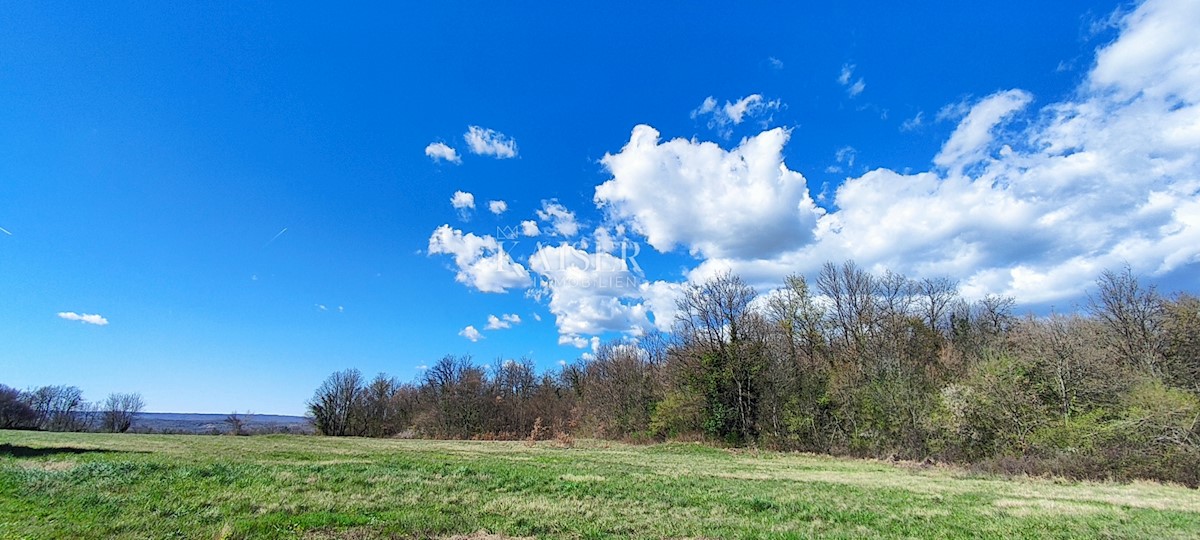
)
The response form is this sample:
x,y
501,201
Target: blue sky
x,y
250,197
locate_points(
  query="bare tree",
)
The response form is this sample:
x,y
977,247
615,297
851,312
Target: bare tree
x,y
236,423
1182,326
725,350
334,406
15,412
850,291
60,408
456,392
619,390
800,321
1133,315
936,296
119,411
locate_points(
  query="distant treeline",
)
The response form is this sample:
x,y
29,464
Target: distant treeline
x,y
62,408
853,363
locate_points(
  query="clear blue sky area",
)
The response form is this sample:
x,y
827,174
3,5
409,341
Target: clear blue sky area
x,y
217,204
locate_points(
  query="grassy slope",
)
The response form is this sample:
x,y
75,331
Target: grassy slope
x,y
163,486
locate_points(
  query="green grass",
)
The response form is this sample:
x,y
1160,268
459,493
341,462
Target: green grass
x,y
55,485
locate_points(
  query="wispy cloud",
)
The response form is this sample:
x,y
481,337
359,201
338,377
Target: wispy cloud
x,y
276,237
846,78
84,318
913,123
722,117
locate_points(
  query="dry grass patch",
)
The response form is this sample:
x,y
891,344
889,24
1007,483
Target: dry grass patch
x,y
484,535
48,466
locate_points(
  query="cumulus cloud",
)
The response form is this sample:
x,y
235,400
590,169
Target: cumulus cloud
x,y
462,200
439,151
482,262
846,78
471,333
497,207
1019,200
1036,209
590,293
506,320
742,202
561,220
83,318
487,142
721,117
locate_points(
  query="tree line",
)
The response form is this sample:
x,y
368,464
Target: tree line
x,y
851,363
63,408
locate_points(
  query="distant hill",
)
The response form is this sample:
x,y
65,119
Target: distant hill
x,y
215,423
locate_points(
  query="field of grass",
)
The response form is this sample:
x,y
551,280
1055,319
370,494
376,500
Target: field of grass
x,y
55,485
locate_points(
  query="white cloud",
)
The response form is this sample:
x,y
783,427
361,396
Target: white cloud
x,y
970,140
497,207
471,333
590,293
482,262
440,151
84,318
953,111
846,154
741,202
914,123
530,228
503,321
721,117
604,240
487,142
462,200
845,78
775,63
660,299
561,220
856,88
1031,209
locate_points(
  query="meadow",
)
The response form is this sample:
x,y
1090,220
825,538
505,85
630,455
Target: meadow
x,y
86,485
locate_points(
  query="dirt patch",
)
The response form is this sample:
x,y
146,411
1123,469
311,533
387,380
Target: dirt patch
x,y
484,535
49,466
582,478
357,533
363,533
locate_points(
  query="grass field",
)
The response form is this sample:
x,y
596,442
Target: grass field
x,y
55,485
